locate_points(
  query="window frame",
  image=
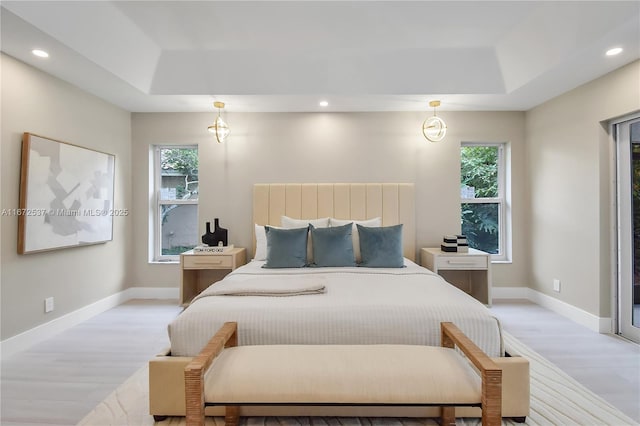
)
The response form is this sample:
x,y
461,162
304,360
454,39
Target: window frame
x,y
157,202
502,199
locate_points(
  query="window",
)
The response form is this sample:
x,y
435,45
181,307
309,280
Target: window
x,y
484,198
176,200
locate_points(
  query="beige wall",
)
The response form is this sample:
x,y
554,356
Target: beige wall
x,y
36,102
569,158
324,147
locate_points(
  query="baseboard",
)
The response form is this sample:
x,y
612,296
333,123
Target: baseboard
x,y
582,317
44,331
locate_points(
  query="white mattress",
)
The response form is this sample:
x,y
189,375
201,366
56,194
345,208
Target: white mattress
x,y
359,306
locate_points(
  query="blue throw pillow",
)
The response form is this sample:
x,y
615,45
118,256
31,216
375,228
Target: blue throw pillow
x,y
381,247
286,248
332,246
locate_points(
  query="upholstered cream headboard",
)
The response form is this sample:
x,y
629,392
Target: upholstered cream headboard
x,y
394,202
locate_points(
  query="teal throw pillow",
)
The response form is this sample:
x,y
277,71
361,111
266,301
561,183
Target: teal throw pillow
x,y
286,248
332,246
381,247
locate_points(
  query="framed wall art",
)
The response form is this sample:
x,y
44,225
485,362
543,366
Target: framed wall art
x,y
66,195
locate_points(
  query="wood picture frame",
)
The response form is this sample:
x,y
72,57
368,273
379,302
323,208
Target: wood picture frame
x,y
66,195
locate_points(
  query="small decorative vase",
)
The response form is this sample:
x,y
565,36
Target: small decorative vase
x,y
207,238
219,236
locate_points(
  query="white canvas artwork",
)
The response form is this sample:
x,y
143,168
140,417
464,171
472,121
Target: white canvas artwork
x,y
66,195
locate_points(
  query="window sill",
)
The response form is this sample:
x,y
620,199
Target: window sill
x,y
502,261
164,262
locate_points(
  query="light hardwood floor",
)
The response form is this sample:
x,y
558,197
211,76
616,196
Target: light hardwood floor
x,y
60,380
606,364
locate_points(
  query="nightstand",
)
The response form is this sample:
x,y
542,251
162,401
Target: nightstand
x,y
470,272
199,271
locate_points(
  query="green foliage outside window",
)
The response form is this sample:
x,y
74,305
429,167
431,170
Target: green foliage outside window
x,y
184,162
479,174
180,159
179,181
479,169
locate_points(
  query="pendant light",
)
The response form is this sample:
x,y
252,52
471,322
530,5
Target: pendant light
x,y
219,127
434,128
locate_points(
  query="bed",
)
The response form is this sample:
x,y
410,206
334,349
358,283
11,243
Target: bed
x,y
412,299
357,305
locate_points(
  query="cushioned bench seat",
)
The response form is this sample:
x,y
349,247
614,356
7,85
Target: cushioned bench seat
x,y
341,374
369,375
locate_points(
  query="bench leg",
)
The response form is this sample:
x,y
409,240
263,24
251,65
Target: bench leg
x,y
492,397
194,398
231,415
447,416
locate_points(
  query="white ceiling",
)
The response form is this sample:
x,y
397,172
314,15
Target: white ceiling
x,y
288,55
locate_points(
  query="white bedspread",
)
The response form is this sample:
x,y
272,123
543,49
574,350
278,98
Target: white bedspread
x,y
359,306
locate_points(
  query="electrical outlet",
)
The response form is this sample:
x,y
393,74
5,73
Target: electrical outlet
x,y
556,285
48,304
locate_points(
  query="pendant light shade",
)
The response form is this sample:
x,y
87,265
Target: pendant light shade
x,y
434,128
219,127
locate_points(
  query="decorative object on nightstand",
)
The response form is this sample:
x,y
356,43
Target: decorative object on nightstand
x,y
455,244
449,244
219,236
463,244
200,270
204,249
470,272
207,237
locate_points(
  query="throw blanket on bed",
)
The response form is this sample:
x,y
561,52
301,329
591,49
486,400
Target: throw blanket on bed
x,y
267,286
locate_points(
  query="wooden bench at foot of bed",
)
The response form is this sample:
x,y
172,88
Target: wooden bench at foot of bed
x,y
342,375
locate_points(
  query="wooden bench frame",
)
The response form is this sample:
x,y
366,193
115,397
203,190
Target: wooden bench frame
x,y
451,336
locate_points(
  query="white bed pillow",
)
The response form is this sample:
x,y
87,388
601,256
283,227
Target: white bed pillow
x,y
371,223
261,243
291,223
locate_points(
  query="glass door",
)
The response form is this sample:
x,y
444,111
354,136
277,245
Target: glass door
x,y
628,146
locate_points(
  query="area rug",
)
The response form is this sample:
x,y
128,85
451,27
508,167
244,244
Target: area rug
x,y
556,399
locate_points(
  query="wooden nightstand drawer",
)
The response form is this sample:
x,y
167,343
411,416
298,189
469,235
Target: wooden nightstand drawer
x,y
462,262
207,261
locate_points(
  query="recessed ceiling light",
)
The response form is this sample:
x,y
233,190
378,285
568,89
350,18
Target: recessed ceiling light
x,y
40,53
614,51
324,103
